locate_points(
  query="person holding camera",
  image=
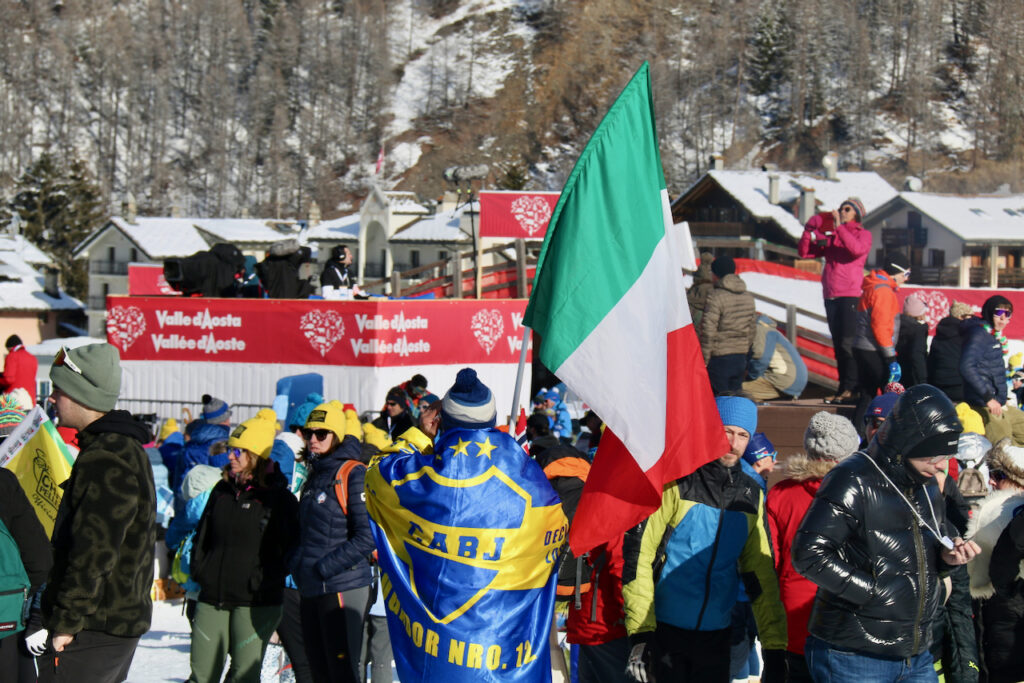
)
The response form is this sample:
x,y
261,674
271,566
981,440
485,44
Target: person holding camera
x,y
839,237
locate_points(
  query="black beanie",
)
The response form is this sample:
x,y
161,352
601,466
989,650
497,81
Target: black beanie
x,y
723,265
896,264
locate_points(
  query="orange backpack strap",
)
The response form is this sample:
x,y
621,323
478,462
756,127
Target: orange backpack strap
x,y
341,483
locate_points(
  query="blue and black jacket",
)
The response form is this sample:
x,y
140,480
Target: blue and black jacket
x,y
684,563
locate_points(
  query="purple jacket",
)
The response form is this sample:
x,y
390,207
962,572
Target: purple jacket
x,y
845,252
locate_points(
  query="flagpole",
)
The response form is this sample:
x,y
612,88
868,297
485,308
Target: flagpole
x,y
513,414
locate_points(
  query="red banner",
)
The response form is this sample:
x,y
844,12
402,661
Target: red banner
x,y
516,214
316,332
148,280
939,299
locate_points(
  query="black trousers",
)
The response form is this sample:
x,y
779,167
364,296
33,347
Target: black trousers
x,y
92,657
290,633
841,313
16,663
332,631
872,375
682,655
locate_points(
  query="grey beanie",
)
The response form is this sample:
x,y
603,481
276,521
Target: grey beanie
x,y
830,437
91,375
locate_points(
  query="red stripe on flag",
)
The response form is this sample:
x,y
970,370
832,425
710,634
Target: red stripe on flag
x,y
618,494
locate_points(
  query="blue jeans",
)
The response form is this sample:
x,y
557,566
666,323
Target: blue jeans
x,y
828,665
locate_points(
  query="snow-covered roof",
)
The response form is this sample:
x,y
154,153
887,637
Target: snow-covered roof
x,y
157,237
344,228
29,253
404,202
22,286
979,218
750,189
441,227
238,230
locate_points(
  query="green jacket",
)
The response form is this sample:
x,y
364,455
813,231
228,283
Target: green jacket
x,y
104,535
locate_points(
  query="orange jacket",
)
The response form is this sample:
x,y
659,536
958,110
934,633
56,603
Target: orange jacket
x,y
880,311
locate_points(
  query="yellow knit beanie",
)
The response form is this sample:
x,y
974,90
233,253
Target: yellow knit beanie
x,y
169,427
256,434
329,416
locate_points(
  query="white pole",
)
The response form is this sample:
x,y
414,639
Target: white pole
x,y
514,413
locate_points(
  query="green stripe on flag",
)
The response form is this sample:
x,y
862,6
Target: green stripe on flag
x,y
605,226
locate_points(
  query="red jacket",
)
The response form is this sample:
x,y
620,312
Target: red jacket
x,y
601,617
785,506
845,252
19,372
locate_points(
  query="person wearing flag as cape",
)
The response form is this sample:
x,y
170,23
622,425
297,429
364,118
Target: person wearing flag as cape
x,y
468,534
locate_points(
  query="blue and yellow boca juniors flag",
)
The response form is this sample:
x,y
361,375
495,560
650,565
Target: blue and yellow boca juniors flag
x,y
468,539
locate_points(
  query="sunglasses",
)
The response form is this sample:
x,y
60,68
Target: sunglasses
x,y
938,459
847,208
235,453
320,434
62,359
391,403
1004,312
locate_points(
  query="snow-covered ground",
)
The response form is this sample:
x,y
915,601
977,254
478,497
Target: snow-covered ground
x,y
162,655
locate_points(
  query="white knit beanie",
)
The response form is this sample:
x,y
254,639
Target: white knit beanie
x,y
830,437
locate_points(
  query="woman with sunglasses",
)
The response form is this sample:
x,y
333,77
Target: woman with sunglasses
x,y
839,237
239,555
997,527
983,368
331,566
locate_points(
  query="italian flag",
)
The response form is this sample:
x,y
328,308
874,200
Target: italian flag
x,y
609,305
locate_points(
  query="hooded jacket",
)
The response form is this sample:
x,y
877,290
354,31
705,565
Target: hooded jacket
x,y
777,360
878,315
876,567
845,252
1003,614
727,326
786,506
104,534
944,359
334,548
681,563
982,365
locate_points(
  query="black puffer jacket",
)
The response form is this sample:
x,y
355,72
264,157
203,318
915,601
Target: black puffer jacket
x,y
944,359
876,567
1004,614
243,540
982,365
334,548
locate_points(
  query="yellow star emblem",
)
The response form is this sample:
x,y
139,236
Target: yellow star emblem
x,y
461,448
485,448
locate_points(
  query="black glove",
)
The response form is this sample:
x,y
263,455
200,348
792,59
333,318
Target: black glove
x,y
638,667
775,666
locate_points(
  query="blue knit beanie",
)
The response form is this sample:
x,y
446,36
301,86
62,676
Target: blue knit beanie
x,y
759,447
737,411
303,410
469,404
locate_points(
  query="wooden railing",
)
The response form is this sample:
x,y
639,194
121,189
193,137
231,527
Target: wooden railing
x,y
521,258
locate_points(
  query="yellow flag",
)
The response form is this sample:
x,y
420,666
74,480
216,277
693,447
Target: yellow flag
x,y
41,462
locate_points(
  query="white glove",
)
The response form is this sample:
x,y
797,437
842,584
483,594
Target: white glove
x,y
36,642
636,667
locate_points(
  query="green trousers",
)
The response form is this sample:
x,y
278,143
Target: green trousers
x,y
241,632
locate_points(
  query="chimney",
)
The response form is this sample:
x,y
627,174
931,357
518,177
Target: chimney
x,y
129,208
717,162
773,188
808,207
831,163
51,282
449,201
314,214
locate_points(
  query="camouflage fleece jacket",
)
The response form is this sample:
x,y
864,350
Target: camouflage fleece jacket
x,y
104,534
